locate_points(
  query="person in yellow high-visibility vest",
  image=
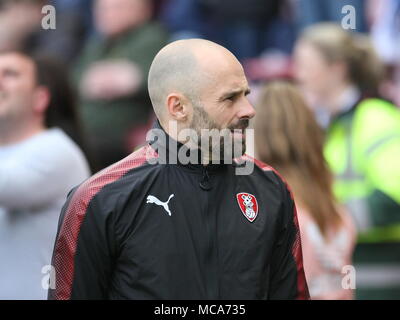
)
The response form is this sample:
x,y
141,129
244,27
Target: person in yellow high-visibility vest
x,y
340,74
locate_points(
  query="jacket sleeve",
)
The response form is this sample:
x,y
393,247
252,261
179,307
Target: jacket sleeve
x,y
84,249
287,274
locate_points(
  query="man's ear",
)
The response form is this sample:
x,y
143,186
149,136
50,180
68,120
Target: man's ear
x,y
41,99
178,107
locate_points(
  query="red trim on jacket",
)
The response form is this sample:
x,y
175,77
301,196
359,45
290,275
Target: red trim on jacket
x,y
302,288
66,243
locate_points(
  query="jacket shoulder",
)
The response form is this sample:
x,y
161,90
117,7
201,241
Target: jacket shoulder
x,y
268,172
271,174
93,186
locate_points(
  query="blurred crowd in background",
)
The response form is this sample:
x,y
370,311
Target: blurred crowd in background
x,y
332,115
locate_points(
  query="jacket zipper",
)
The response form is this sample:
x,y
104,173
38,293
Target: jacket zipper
x,y
205,180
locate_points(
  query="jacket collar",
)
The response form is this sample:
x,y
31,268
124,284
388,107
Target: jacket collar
x,y
168,149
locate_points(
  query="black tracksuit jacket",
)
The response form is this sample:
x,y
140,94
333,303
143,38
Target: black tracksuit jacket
x,y
115,242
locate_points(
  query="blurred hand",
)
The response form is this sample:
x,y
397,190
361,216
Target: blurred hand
x,y
108,80
18,20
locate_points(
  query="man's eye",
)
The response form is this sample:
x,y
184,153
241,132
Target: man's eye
x,y
230,98
10,73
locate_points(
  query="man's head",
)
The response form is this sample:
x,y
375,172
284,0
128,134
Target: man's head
x,y
113,17
198,85
23,102
34,94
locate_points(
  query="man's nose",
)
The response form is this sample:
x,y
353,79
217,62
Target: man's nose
x,y
246,110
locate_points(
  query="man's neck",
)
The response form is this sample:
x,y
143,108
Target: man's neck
x,y
10,136
343,97
173,132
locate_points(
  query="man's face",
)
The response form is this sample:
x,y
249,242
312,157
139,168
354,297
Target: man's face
x,y
17,86
224,105
113,17
314,74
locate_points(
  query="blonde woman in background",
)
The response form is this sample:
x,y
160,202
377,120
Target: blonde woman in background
x,y
288,138
340,73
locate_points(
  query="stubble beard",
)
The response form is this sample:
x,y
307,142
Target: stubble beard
x,y
222,146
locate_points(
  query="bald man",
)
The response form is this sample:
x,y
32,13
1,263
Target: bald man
x,y
176,219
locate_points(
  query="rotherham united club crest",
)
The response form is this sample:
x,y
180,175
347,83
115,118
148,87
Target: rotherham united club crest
x,y
248,204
